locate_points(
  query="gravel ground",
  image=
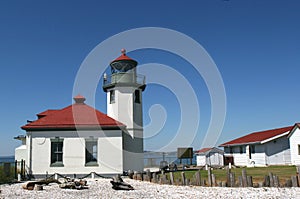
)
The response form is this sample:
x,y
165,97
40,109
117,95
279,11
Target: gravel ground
x,y
101,188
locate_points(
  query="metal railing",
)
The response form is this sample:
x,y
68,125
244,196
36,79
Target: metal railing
x,y
123,77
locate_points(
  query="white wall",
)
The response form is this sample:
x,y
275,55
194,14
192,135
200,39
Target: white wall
x,y
21,153
201,160
274,152
294,142
125,110
110,157
122,109
215,159
278,152
133,153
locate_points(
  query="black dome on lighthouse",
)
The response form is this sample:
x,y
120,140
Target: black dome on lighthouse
x,y
123,63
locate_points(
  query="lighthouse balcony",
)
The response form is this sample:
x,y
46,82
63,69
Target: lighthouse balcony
x,y
124,79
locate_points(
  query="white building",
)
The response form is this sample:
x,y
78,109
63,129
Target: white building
x,y
79,139
210,156
270,147
294,137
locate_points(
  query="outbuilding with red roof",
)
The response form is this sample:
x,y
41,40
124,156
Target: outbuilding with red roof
x,y
262,148
213,157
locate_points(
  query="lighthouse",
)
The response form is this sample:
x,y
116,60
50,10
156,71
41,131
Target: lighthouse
x,y
124,89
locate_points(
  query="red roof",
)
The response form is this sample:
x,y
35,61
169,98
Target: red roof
x,y
124,57
258,136
44,113
78,115
203,150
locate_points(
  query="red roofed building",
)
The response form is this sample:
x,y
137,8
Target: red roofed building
x,y
269,147
76,139
210,156
294,137
79,139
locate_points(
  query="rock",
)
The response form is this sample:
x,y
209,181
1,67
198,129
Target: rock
x,y
38,187
119,184
117,178
67,185
74,184
29,185
62,180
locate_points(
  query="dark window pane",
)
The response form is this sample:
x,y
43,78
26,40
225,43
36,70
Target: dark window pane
x,y
91,151
56,152
137,98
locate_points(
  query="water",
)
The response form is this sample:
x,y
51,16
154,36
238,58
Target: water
x,y
7,159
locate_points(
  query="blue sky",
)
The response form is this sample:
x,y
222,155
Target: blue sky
x,y
255,45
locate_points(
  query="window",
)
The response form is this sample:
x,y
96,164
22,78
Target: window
x,y
137,97
241,149
57,152
91,153
112,96
298,149
252,148
230,150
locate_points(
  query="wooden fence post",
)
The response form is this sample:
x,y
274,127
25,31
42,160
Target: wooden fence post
x,y
16,169
266,181
232,180
240,178
187,182
294,181
228,171
288,183
276,181
249,181
172,178
154,179
213,179
271,179
148,172
182,178
198,178
209,180
244,178
298,174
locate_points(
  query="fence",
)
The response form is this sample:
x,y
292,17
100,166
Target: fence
x,y
10,170
20,170
153,159
232,180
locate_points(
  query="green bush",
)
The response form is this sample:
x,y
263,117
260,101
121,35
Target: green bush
x,y
4,178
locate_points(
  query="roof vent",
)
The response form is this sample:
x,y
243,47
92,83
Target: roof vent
x,y
79,99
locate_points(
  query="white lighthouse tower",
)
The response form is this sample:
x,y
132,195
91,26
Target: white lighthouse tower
x,y
124,89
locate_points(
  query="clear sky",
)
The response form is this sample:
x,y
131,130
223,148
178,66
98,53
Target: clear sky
x,y
255,45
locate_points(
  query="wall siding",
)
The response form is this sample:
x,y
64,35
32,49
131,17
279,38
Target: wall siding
x,y
294,142
110,153
275,152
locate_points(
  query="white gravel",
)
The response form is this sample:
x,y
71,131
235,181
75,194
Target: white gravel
x,y
101,188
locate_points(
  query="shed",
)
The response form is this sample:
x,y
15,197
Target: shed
x,y
210,156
